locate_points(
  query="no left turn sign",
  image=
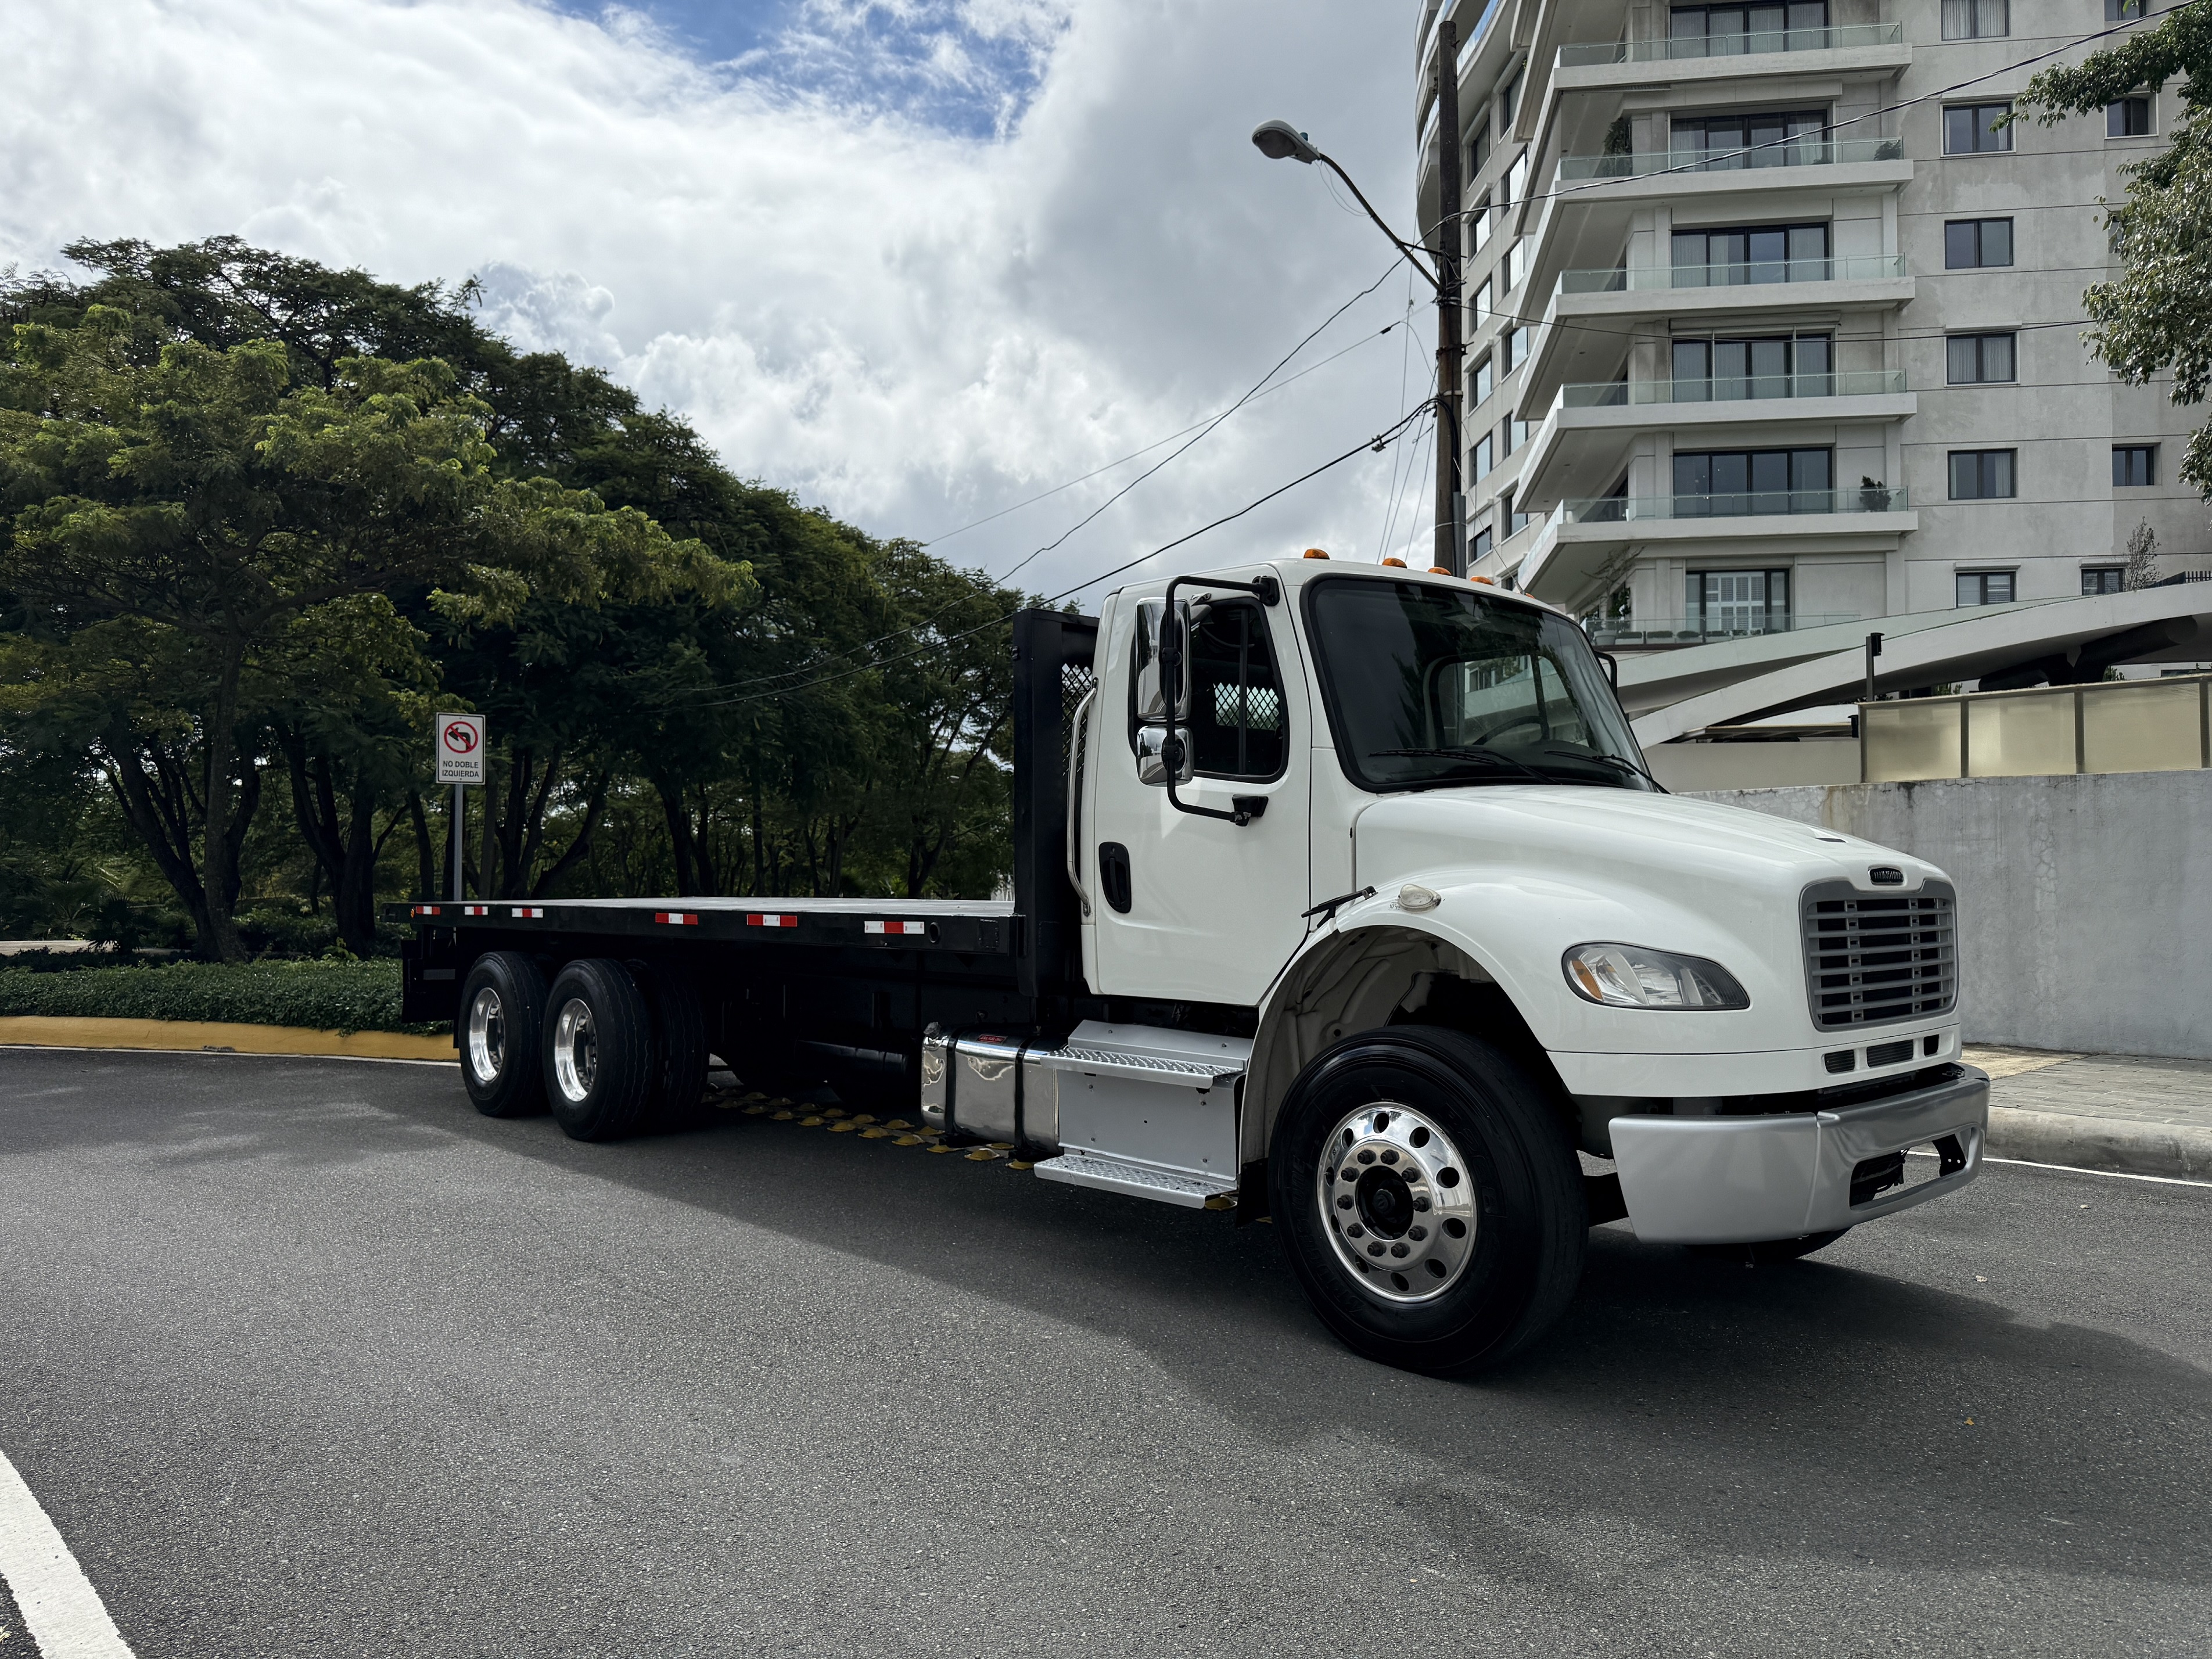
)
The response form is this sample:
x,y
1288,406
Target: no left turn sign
x,y
459,742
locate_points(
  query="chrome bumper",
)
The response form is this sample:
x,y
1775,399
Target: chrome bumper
x,y
1739,1180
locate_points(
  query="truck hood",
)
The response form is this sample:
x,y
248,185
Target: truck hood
x,y
1528,871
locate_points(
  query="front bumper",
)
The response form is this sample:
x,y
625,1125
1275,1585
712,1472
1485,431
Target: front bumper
x,y
1740,1180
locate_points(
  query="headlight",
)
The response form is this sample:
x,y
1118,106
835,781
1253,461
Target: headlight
x,y
1633,977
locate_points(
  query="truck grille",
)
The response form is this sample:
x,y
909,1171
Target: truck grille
x,y
1870,960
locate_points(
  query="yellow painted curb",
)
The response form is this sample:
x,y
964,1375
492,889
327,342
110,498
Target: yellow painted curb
x,y
193,1036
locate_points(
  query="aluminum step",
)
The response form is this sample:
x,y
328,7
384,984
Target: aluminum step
x,y
1117,1175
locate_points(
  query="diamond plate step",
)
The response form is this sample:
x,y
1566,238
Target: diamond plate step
x,y
1115,1175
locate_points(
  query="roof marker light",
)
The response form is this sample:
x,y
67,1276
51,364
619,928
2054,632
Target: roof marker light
x,y
1316,553
1395,564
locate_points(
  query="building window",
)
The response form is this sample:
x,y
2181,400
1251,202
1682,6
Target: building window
x,y
1511,435
1972,129
1515,522
2128,118
1980,359
1479,219
1984,588
2103,578
1516,187
1512,350
1480,547
1982,475
1755,253
1516,263
1484,456
1772,366
1478,153
1737,601
1509,100
1482,302
2123,11
1731,483
1973,244
1728,31
2135,466
1976,19
1753,141
1485,382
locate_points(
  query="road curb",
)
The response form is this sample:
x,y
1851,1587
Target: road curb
x,y
2122,1146
200,1037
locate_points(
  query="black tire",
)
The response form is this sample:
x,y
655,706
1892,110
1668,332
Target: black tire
x,y
500,1025
1768,1252
680,1046
599,1051
1520,1182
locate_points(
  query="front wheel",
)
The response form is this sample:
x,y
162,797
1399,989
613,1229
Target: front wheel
x,y
1431,1198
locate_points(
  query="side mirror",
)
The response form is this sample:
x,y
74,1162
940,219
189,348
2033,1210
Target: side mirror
x,y
1163,659
1163,751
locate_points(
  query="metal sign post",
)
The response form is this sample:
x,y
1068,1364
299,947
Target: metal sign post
x,y
458,742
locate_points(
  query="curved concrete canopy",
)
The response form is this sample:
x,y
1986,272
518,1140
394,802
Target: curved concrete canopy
x,y
1687,691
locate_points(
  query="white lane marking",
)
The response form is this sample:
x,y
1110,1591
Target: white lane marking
x,y
66,1617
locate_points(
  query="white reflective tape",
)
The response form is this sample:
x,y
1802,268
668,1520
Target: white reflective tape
x,y
915,928
66,1617
676,918
527,912
476,909
758,921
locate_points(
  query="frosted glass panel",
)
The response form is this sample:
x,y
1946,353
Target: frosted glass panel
x,y
1916,738
2020,737
2153,727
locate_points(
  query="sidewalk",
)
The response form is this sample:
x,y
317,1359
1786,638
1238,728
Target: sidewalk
x,y
2129,1113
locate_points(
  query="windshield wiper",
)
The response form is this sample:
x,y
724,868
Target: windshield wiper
x,y
1479,754
1618,762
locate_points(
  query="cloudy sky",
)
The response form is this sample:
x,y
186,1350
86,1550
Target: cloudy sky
x,y
917,261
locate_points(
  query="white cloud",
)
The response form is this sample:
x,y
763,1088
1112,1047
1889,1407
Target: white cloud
x,y
909,325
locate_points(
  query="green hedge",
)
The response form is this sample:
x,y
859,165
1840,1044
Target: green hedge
x,y
353,996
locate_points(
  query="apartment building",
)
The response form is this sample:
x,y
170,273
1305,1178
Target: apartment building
x,y
1769,329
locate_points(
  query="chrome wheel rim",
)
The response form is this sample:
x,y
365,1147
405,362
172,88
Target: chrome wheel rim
x,y
487,1036
575,1051
1397,1203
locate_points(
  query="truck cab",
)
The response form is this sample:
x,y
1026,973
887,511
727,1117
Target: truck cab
x,y
1378,806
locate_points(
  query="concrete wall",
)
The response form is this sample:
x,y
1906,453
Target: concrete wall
x,y
2085,902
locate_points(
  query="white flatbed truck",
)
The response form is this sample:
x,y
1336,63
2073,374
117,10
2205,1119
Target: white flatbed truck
x,y
1382,931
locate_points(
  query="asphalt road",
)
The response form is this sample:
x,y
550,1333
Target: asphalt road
x,y
306,1359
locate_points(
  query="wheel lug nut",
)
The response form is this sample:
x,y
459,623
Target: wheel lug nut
x,y
1344,1203
1355,1230
1417,1234
1420,1203
1373,1249
1366,1157
1390,1156
1399,1249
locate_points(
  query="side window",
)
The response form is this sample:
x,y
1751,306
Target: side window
x,y
1238,725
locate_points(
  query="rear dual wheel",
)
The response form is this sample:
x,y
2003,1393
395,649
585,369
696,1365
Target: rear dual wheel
x,y
1431,1198
611,1048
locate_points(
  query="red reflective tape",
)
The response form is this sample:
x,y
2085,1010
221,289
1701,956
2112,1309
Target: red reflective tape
x,y
527,912
676,918
476,909
771,921
914,928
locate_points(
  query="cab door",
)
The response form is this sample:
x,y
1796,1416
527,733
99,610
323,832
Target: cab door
x,y
1187,907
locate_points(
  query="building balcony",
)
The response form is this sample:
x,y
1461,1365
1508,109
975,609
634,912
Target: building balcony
x,y
1758,43
1683,166
1606,298
1723,622
1585,545
1585,437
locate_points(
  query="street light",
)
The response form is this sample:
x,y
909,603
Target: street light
x,y
1279,141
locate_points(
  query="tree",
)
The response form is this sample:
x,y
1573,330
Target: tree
x,y
2157,316
200,495
2143,558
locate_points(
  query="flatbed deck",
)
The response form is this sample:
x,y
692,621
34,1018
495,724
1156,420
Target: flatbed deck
x,y
969,926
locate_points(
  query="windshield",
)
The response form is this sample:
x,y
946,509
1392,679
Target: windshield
x,y
1430,686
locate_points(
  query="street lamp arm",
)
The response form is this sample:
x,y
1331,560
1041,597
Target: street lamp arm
x,y
1404,247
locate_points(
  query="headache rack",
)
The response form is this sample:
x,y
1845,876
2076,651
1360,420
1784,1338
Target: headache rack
x,y
1873,958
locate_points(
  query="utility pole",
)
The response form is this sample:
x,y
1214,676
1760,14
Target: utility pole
x,y
1451,504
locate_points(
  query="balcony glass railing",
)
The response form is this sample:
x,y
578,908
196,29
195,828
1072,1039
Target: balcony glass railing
x,y
1786,153
1733,388
1629,509
1721,623
1739,44
1867,269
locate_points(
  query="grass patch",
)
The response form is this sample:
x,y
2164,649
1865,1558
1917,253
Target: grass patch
x,y
323,996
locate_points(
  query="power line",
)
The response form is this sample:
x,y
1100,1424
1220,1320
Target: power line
x,y
1205,430
1387,436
